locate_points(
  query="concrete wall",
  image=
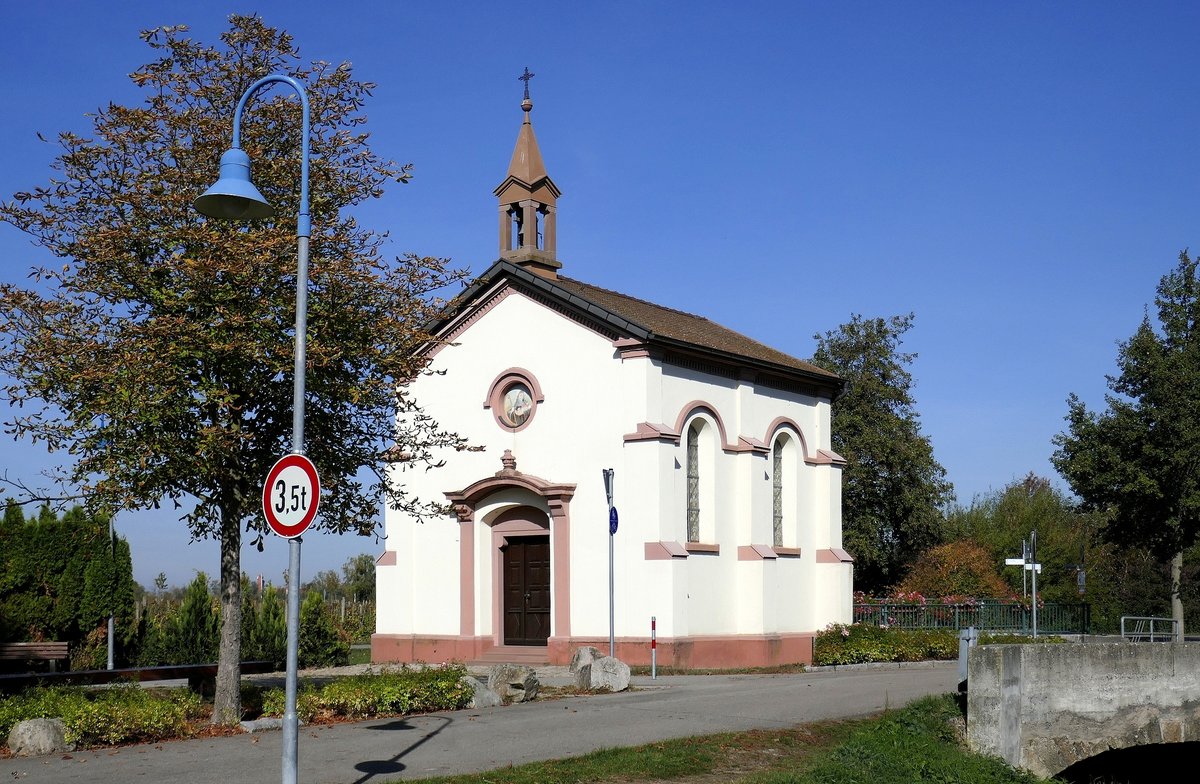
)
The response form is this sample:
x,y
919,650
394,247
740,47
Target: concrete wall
x,y
1045,707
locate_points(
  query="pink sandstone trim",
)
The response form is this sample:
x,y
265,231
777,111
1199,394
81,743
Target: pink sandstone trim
x,y
514,522
697,407
558,499
466,577
460,326
755,552
834,555
631,348
827,457
702,547
789,424
495,395
749,650
752,444
651,431
560,565
787,552
664,551
387,558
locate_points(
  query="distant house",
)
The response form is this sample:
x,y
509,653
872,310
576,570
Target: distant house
x,y
728,496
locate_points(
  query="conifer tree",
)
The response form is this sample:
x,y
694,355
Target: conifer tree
x,y
1136,461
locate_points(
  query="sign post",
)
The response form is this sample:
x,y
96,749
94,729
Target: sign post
x,y
612,530
1029,564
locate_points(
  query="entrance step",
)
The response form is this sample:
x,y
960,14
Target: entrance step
x,y
531,655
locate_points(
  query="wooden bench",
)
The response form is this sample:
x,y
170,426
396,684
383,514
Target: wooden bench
x,y
29,652
200,677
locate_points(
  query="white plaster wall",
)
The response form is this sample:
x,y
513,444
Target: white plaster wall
x,y
421,590
576,432
592,399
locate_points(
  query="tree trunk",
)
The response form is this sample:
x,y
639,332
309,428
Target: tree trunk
x,y
1176,599
227,700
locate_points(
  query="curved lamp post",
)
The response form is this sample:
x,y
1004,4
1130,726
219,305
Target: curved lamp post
x,y
234,197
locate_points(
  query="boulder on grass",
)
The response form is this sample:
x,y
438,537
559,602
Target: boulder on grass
x,y
513,682
35,737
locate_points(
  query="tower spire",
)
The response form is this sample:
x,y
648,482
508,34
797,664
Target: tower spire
x,y
527,202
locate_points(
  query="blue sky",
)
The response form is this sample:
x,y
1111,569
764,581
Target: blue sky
x,y
1018,175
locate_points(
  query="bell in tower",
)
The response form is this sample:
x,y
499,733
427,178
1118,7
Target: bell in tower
x,y
527,203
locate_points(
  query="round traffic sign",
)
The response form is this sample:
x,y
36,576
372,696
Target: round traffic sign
x,y
290,495
612,520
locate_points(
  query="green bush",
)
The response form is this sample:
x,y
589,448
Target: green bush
x,y
119,715
861,643
388,692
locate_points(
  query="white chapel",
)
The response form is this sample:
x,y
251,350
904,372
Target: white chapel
x,y
727,494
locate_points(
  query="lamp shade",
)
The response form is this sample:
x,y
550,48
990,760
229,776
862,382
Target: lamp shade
x,y
233,196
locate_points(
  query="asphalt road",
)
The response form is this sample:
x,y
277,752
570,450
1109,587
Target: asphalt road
x,y
483,739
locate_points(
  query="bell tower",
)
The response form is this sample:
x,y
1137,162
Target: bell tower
x,y
527,203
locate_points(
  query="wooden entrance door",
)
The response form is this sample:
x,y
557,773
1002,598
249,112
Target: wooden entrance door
x,y
527,590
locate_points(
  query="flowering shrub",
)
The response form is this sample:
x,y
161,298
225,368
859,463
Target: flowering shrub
x,y
861,643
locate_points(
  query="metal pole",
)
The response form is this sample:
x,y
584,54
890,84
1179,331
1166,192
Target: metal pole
x,y
1025,572
303,229
608,492
1033,557
290,723
235,199
112,551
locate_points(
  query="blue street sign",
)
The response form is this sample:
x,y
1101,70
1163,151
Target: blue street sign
x,y
612,520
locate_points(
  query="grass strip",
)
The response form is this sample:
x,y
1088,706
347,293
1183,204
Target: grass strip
x,y
918,743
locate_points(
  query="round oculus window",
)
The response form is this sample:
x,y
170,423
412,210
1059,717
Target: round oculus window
x,y
517,404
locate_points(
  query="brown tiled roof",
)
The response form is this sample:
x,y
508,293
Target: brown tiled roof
x,y
686,328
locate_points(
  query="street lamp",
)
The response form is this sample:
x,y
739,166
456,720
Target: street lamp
x,y
234,197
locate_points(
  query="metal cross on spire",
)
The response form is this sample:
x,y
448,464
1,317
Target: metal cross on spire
x,y
525,77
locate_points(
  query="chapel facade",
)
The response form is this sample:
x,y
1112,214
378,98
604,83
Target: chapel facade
x,y
728,525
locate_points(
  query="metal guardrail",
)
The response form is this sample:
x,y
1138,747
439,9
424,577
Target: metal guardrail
x,y
992,616
1147,629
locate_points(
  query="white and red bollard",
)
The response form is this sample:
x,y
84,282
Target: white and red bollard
x,y
653,648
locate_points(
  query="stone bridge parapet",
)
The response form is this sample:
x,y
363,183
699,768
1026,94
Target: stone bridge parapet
x,y
1045,707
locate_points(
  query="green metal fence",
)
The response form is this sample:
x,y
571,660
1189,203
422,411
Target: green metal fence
x,y
992,616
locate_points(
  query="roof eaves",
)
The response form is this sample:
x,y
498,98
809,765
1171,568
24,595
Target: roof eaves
x,y
834,382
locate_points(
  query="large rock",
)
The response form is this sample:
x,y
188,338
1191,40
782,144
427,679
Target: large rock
x,y
513,682
483,696
34,737
584,656
596,672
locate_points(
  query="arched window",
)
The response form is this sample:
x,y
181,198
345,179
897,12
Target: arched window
x,y
693,482
784,495
777,493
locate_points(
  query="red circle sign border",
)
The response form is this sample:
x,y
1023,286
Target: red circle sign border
x,y
306,465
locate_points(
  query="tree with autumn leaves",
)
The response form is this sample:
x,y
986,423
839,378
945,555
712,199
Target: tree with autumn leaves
x,y
157,350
